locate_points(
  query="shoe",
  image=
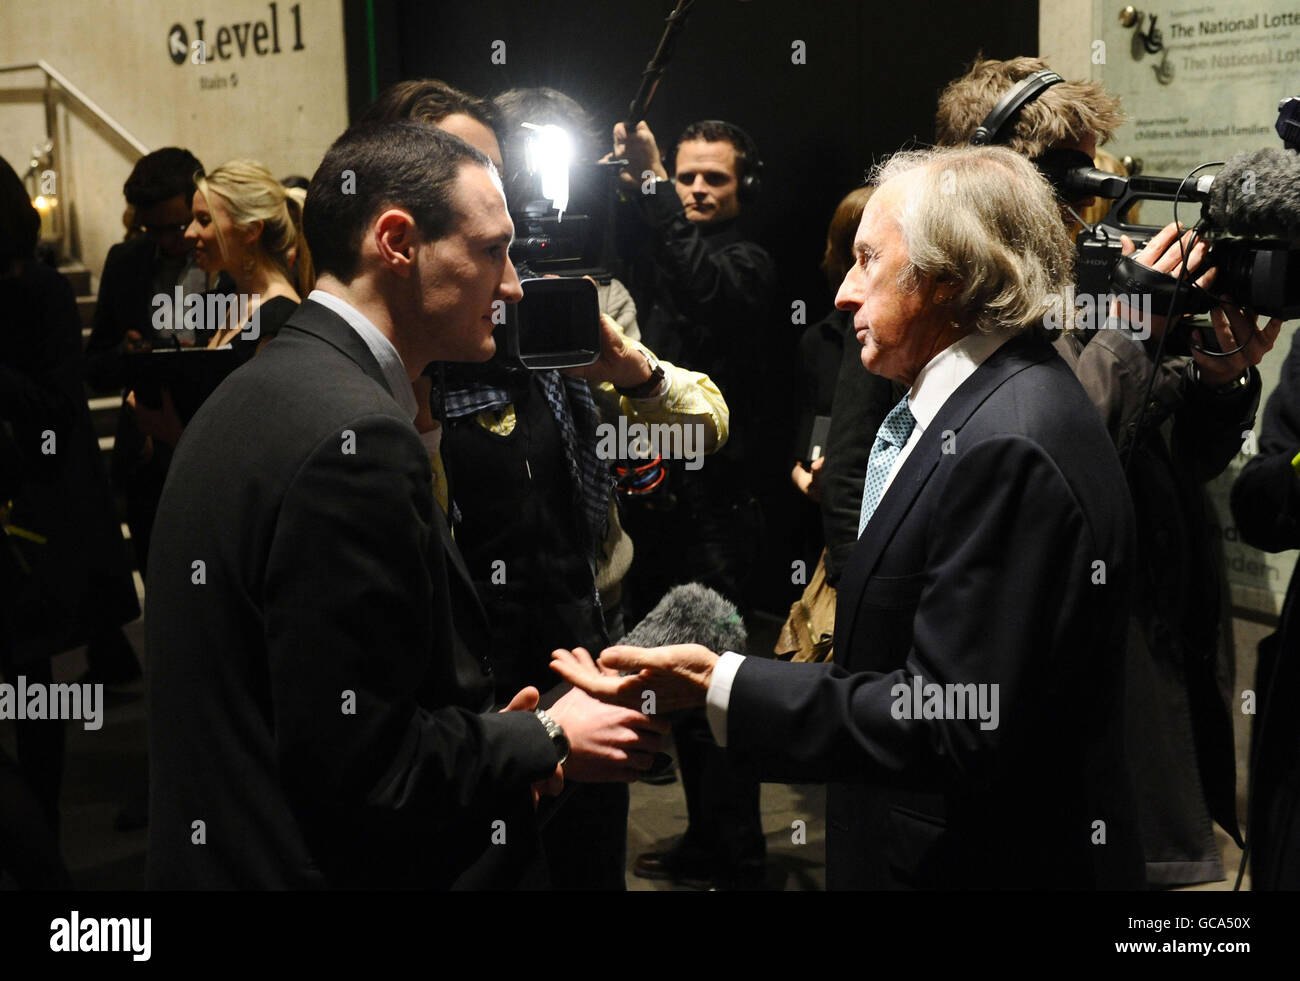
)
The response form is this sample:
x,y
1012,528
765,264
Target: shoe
x,y
661,772
683,870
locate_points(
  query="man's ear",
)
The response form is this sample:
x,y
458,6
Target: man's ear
x,y
396,237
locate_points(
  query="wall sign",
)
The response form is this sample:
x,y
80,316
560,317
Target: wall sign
x,y
1204,85
222,42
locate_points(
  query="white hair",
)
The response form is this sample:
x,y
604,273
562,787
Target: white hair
x,y
986,221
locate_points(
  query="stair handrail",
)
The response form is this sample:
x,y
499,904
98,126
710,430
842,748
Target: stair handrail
x,y
88,103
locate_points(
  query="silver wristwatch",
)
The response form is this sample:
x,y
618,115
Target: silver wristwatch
x,y
556,732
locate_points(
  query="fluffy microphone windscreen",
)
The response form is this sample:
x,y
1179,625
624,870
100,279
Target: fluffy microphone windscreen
x,y
1257,194
691,614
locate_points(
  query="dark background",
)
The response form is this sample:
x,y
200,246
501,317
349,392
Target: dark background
x,y
869,86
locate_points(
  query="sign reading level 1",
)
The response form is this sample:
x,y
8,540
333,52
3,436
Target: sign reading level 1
x,y
261,37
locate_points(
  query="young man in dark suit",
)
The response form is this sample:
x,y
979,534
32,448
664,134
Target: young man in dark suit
x,y
316,650
970,728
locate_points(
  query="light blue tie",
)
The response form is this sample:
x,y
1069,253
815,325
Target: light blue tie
x,y
890,441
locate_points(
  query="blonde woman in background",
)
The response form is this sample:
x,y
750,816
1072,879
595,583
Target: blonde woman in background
x,y
246,224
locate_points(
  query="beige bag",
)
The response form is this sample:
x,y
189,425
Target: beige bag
x,y
810,629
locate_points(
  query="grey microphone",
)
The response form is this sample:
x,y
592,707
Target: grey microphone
x,y
1257,194
691,614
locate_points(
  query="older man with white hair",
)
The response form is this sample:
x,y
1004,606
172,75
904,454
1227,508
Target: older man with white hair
x,y
970,728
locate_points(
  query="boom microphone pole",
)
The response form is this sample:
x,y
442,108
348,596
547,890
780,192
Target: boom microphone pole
x,y
654,71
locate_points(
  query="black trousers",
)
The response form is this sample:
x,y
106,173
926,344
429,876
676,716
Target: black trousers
x,y
29,790
693,534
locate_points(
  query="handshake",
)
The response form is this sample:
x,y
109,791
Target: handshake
x,y
613,717
613,720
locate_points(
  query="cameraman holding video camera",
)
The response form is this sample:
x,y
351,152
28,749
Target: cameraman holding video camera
x,y
704,291
1180,659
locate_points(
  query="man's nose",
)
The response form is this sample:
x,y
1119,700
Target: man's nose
x,y
847,298
511,290
700,187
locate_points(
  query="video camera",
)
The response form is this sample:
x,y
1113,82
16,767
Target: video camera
x,y
561,210
1250,215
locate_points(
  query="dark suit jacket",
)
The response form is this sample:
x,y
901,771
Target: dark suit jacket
x,y
1266,507
978,567
314,645
56,594
125,302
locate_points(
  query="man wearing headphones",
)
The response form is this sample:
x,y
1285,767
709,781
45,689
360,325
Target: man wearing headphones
x,y
702,290
1180,694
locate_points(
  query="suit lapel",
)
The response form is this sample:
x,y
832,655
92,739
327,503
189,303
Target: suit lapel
x,y
1014,356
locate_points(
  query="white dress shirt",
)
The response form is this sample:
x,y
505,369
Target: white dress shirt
x,y
390,362
938,380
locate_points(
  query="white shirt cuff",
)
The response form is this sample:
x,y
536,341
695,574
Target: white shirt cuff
x,y
719,696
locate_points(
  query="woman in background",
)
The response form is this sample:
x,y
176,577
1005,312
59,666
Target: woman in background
x,y
246,224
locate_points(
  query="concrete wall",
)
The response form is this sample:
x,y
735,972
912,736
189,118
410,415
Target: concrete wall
x,y
1065,34
281,107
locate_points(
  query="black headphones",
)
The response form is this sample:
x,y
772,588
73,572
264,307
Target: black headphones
x,y
1008,107
1054,164
751,183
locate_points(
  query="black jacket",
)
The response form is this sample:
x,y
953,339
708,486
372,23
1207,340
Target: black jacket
x,y
1181,668
58,591
978,567
1266,507
704,296
315,648
520,534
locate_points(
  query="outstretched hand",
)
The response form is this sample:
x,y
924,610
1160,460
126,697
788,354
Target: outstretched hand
x,y
655,680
